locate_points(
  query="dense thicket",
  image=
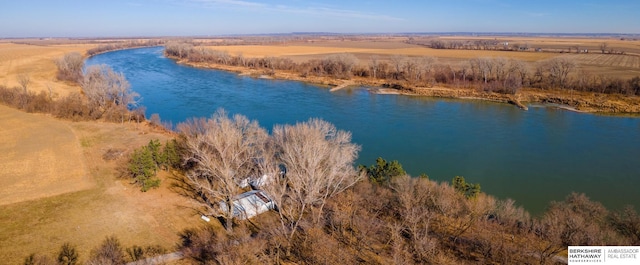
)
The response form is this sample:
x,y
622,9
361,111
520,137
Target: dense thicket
x,y
415,221
489,74
70,67
225,155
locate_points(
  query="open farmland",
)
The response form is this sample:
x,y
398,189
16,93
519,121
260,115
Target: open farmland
x,y
364,48
318,52
38,63
614,60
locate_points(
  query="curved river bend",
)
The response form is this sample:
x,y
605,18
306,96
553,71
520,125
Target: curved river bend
x,y
531,156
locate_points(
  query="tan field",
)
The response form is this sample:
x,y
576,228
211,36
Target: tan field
x,y
409,50
34,151
55,186
37,62
594,62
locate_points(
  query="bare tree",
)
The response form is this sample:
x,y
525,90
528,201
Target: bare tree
x,y
516,75
105,88
24,80
559,69
482,66
178,49
410,66
518,68
222,151
242,60
374,65
425,66
603,47
70,67
398,61
340,65
110,252
500,68
577,47
464,70
413,197
319,160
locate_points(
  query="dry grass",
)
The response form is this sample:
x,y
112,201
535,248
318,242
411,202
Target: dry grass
x,y
98,205
37,62
39,157
276,51
319,52
55,186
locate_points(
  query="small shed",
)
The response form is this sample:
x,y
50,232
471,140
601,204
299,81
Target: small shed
x,y
249,204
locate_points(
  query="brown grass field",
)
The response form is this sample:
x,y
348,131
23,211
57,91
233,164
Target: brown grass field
x,y
35,145
318,51
37,62
55,186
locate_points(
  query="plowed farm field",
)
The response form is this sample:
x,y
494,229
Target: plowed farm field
x,y
615,60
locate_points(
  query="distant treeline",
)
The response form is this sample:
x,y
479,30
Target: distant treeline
x,y
498,45
124,45
489,74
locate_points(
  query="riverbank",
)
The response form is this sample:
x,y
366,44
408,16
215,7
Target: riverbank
x,y
569,100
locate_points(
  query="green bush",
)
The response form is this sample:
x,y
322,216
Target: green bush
x,y
469,190
143,167
383,171
147,160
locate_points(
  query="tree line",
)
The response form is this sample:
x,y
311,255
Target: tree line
x,y
414,220
124,45
489,74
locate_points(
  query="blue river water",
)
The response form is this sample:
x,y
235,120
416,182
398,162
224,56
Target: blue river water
x,y
533,156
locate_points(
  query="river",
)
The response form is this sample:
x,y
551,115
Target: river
x,y
533,156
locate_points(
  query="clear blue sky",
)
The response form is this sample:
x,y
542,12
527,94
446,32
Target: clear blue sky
x,y
104,18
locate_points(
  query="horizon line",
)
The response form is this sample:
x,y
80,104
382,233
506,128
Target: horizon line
x,y
321,33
